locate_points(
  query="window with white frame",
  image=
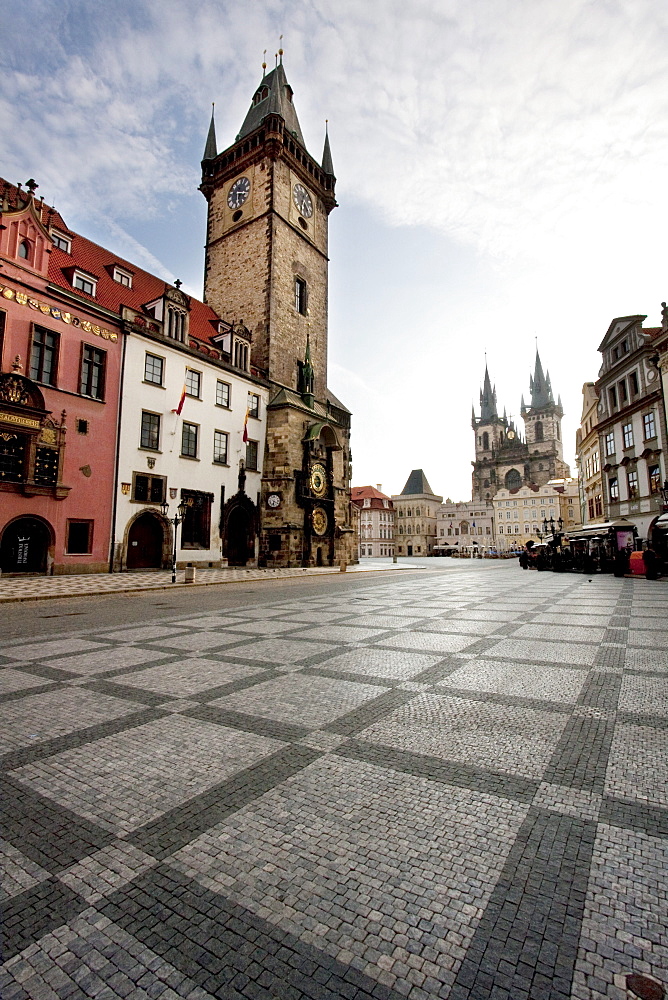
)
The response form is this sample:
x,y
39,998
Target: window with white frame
x,y
154,369
193,383
85,283
123,277
627,434
62,242
189,434
649,425
220,446
609,442
632,483
253,405
222,394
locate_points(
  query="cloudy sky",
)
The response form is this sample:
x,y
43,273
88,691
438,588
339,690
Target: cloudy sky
x,y
501,172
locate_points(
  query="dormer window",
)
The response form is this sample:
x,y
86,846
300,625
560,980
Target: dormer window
x,y
241,354
261,95
122,277
62,242
175,325
85,283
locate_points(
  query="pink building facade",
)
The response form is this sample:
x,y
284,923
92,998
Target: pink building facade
x,y
60,362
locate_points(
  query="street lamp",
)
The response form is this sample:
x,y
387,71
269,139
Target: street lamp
x,y
175,521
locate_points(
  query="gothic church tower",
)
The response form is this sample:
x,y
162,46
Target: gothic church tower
x,y
266,272
542,421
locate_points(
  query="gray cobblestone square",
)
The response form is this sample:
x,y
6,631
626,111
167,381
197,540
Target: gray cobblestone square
x,y
645,695
498,737
577,654
429,642
45,716
210,805
123,781
16,680
187,677
638,764
380,662
380,839
289,698
539,682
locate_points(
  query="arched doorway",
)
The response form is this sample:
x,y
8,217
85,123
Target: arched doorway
x,y
25,546
240,536
145,540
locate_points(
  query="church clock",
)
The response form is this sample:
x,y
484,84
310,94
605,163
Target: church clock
x,y
318,480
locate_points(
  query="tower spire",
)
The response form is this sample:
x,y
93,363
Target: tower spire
x,y
211,149
539,384
327,164
273,96
487,399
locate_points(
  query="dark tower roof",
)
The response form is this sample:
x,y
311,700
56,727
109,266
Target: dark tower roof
x,y
273,97
327,164
487,400
211,150
416,483
541,390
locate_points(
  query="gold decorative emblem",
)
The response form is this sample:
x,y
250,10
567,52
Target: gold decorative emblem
x,y
318,480
319,520
125,488
48,435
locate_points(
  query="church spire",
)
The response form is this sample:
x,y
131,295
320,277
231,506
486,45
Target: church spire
x,y
487,400
273,97
327,164
539,384
211,150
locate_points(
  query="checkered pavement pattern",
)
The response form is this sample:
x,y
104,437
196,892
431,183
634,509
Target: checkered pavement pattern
x,y
453,787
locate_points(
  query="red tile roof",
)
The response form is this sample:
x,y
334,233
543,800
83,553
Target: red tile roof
x,y
96,260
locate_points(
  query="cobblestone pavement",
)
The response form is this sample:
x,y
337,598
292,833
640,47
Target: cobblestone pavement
x,y
443,785
17,588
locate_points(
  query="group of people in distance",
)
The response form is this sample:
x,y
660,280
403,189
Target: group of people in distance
x,y
542,557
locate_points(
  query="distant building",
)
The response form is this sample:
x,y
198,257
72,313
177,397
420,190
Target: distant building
x,y
465,525
376,521
632,423
416,516
519,514
588,459
502,459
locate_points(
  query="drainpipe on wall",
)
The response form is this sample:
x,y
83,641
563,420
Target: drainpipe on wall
x,y
118,448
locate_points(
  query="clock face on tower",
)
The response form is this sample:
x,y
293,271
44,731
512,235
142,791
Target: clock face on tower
x,y
239,192
302,200
273,500
318,480
319,520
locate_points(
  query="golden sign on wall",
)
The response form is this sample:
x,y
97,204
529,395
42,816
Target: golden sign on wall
x,y
14,418
55,313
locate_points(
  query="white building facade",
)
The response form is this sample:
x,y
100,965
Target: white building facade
x,y
185,416
465,526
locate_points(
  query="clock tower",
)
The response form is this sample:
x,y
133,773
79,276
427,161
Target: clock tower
x,y
266,272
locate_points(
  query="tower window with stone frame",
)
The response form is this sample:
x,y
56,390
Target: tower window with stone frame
x,y
301,297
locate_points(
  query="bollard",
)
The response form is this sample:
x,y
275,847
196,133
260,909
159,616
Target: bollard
x,y
344,566
189,574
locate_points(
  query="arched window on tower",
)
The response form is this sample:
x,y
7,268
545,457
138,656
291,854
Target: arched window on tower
x,y
485,441
539,430
24,250
513,480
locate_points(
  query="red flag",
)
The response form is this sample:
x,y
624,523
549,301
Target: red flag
x,y
245,437
181,401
